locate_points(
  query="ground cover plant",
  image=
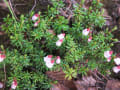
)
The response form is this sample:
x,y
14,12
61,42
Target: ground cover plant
x,y
42,42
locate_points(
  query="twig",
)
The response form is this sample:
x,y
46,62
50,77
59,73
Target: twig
x,y
100,82
5,72
96,76
33,6
19,5
116,42
6,2
102,75
74,2
70,4
69,17
10,4
5,75
63,12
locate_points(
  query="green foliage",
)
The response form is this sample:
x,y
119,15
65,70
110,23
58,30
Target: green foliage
x,y
29,45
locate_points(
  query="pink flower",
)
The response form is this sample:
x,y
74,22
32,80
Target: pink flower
x,y
109,59
61,36
58,60
86,31
48,61
48,58
2,57
1,85
107,54
35,17
52,61
14,84
36,24
116,69
89,39
50,64
117,61
59,42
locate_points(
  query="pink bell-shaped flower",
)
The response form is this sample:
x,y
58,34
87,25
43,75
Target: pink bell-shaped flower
x,y
59,42
58,60
109,59
14,84
89,39
85,32
107,54
61,36
2,57
48,58
36,24
117,61
35,17
50,64
116,69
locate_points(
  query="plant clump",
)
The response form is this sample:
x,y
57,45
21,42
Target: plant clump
x,y
48,42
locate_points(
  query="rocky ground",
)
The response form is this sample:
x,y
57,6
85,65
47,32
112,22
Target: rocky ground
x,y
95,80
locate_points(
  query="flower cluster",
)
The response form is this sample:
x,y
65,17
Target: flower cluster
x,y
61,38
107,54
49,61
62,42
14,84
2,56
85,32
34,18
116,69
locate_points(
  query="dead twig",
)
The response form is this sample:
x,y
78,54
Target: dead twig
x,y
68,12
94,74
10,4
70,4
101,75
5,71
19,5
116,42
33,6
100,82
5,75
63,12
69,17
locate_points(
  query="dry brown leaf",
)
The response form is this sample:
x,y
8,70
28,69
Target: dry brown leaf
x,y
58,87
60,77
113,85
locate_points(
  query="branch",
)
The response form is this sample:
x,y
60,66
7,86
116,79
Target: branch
x,y
33,6
5,75
10,4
